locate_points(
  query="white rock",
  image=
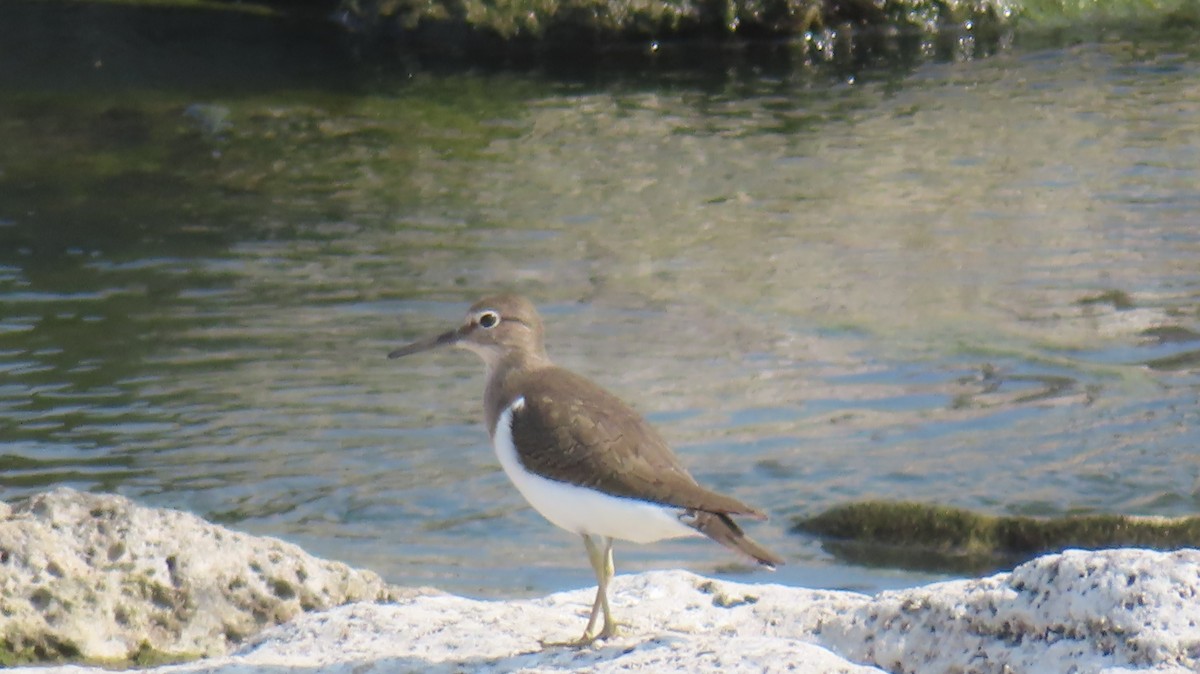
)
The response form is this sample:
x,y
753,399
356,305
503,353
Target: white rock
x,y
98,577
1105,612
1078,611
674,622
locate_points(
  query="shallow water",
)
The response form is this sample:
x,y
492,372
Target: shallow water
x,y
974,283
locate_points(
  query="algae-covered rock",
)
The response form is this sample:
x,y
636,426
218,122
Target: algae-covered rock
x,y
571,19
941,538
96,577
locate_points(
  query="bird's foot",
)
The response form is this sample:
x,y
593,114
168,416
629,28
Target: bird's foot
x,y
609,631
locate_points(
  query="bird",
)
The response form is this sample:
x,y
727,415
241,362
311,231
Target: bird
x,y
584,459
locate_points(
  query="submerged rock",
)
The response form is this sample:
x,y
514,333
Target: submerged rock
x,y
98,578
1084,612
579,25
941,538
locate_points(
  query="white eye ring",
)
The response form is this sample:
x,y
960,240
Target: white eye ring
x,y
489,320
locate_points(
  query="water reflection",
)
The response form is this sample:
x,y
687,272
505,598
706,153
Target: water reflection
x,y
971,283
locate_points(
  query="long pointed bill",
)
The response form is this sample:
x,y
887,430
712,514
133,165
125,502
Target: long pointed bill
x,y
444,339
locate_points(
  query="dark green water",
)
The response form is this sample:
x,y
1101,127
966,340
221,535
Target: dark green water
x,y
974,283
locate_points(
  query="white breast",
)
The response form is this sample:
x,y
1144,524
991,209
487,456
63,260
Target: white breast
x,y
582,510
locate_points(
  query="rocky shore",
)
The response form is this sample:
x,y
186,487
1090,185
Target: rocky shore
x,y
94,580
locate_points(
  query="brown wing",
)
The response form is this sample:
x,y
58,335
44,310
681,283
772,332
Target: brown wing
x,y
573,431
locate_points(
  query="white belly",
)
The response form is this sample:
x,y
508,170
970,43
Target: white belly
x,y
582,510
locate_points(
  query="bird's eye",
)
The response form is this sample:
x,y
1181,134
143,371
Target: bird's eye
x,y
489,320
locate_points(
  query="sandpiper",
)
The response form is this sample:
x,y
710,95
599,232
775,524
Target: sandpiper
x,y
580,456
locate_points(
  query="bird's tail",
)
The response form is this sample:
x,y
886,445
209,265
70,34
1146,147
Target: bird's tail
x,y
722,529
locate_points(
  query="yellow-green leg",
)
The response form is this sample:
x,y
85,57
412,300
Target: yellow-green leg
x,y
601,559
602,564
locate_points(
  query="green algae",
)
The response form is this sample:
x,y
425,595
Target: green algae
x,y
553,20
1062,12
941,538
821,30
818,23
33,649
148,656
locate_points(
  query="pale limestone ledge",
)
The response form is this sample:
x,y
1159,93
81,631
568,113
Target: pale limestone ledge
x,y
1112,611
